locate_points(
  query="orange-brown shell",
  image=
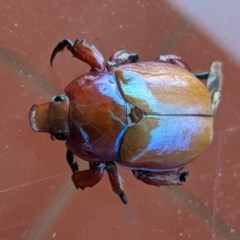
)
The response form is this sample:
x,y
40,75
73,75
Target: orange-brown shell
x,y
162,88
177,124
97,116
148,115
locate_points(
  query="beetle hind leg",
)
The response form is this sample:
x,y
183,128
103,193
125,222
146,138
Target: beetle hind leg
x,y
214,84
159,178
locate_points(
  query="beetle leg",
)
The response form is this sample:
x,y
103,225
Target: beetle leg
x,y
89,177
73,165
115,181
173,59
214,84
61,45
85,178
121,57
88,54
202,75
168,177
83,51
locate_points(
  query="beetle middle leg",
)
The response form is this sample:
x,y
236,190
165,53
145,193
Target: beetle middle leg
x,y
174,59
93,175
115,181
121,57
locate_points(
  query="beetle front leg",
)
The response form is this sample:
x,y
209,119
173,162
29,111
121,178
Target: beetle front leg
x,y
89,177
83,51
73,165
115,181
121,57
66,43
85,178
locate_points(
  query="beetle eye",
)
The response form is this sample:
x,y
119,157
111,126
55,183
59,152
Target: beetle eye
x,y
59,98
60,136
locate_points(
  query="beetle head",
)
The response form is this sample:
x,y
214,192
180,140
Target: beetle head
x,y
51,117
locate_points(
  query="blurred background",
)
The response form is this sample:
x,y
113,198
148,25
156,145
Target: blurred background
x,y
37,197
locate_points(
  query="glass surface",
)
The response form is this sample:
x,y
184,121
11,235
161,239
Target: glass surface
x,y
37,197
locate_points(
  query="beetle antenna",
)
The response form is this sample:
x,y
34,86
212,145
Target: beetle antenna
x,y
61,45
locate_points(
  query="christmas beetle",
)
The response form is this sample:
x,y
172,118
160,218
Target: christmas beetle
x,y
150,117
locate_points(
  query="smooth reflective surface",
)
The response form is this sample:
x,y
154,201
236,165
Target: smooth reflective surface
x,y
162,142
97,116
163,89
38,199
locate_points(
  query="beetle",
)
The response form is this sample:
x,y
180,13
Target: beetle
x,y
150,117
